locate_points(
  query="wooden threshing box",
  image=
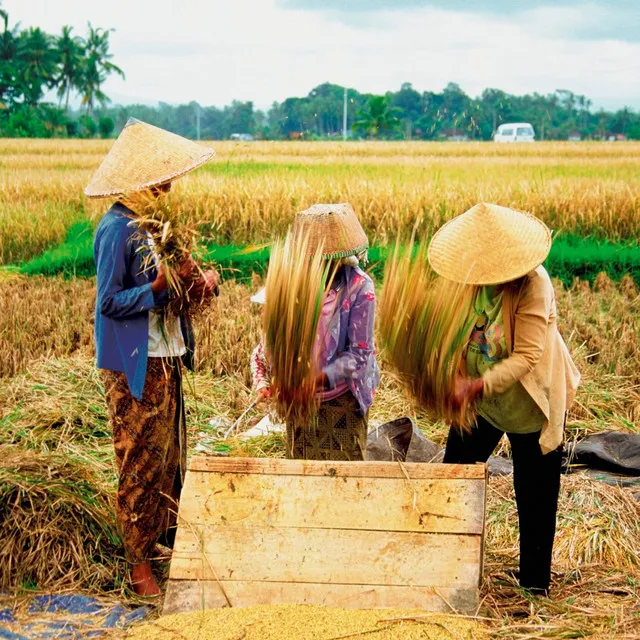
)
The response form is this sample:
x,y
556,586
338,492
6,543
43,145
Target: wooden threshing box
x,y
347,534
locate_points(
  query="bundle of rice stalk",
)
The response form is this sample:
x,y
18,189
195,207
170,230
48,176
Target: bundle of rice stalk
x,y
173,238
424,322
295,288
56,524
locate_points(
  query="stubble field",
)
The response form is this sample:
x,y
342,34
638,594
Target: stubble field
x,y
52,413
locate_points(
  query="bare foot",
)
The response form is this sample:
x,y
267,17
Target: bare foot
x,y
144,584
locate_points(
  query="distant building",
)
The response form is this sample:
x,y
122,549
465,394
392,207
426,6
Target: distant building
x,y
241,137
574,136
456,135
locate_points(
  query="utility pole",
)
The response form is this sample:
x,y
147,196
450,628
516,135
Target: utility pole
x,y
344,116
197,121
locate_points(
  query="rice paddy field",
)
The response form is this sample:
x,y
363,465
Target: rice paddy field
x,y
57,475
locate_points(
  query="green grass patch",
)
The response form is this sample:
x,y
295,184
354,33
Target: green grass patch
x,y
570,257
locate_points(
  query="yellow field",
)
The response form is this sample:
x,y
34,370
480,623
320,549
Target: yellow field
x,y
51,399
252,190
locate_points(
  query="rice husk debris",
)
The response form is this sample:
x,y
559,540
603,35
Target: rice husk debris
x,y
305,622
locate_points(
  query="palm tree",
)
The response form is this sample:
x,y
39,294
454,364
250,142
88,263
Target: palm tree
x,y
97,68
7,61
70,52
37,63
378,118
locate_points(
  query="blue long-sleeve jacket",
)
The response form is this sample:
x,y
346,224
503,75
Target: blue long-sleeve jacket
x,y
124,298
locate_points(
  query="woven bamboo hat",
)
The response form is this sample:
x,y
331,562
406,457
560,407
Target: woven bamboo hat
x,y
142,157
335,227
488,245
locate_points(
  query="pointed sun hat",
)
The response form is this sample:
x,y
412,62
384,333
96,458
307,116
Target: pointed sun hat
x,y
334,227
143,157
489,245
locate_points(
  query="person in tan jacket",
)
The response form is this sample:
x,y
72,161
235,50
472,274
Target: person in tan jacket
x,y
518,368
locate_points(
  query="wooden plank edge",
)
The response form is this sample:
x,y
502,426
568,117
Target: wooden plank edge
x,y
270,466
194,595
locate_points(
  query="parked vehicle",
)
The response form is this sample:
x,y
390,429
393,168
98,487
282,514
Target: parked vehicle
x,y
514,132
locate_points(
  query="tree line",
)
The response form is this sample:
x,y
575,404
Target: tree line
x,y
33,64
404,114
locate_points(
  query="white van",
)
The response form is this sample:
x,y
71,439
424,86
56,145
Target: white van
x,y
514,132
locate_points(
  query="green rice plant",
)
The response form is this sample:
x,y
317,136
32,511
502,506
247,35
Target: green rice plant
x,y
424,324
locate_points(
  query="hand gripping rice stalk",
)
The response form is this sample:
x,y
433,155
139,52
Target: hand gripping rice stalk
x,y
295,288
425,322
173,238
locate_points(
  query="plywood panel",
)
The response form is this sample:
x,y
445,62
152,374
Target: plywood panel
x,y
348,534
192,595
339,556
383,504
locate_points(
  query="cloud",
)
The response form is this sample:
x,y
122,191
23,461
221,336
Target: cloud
x,y
585,19
214,52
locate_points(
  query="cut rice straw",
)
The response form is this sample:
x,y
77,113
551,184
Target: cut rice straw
x,y
424,323
173,238
295,288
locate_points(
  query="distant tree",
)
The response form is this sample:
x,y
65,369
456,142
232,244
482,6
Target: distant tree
x,y
54,119
97,68
88,126
409,102
70,54
37,63
378,119
106,127
240,117
8,67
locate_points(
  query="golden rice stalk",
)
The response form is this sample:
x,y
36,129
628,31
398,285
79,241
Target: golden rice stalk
x,y
174,239
424,324
294,291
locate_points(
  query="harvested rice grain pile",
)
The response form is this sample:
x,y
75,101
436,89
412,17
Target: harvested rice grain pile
x,y
302,622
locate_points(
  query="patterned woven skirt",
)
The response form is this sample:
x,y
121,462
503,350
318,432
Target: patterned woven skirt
x,y
149,437
338,432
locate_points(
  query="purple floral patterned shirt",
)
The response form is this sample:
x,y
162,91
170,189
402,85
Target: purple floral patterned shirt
x,y
345,347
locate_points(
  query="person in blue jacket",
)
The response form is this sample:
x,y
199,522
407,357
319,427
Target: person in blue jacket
x,y
140,348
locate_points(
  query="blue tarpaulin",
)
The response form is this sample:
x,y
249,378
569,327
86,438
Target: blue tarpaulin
x,y
76,616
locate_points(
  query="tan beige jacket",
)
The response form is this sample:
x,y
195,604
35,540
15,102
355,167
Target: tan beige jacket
x,y
538,356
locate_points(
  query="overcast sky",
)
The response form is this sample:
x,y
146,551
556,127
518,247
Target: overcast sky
x,y
214,51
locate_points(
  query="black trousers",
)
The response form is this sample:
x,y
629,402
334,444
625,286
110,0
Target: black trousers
x,y
536,479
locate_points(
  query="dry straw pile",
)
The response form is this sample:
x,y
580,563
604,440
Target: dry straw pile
x,y
424,324
294,291
57,526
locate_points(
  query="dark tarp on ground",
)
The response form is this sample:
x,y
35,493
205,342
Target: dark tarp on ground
x,y
401,440
609,451
611,457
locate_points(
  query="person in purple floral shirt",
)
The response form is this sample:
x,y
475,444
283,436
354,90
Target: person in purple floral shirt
x,y
344,346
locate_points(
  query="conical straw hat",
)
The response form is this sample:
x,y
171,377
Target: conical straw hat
x,y
142,157
488,245
335,227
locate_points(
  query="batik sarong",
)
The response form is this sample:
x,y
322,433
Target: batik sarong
x,y
149,437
